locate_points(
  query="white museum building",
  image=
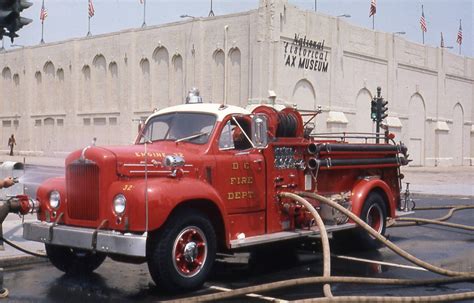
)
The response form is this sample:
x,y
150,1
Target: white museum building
x,y
58,96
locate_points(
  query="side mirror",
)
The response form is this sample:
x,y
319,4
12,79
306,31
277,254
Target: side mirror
x,y
259,131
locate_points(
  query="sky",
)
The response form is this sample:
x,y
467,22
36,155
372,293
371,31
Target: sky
x,y
68,18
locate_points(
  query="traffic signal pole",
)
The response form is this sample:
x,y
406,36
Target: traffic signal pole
x,y
378,112
377,125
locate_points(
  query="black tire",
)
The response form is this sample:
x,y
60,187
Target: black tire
x,y
72,260
180,256
374,213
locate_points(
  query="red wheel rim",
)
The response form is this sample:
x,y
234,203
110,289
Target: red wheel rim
x,y
375,218
189,251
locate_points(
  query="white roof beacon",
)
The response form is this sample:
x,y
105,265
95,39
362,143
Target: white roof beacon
x,y
193,96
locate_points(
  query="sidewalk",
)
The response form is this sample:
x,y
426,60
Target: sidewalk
x,y
440,181
44,161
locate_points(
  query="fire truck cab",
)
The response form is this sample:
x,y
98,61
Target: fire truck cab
x,y
203,178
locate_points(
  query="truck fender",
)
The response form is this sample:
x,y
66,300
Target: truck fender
x,y
363,187
184,190
42,195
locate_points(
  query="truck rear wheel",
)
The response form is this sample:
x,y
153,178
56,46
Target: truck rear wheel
x,y
374,213
72,260
181,255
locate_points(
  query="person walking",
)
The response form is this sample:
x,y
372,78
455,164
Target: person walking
x,y
11,143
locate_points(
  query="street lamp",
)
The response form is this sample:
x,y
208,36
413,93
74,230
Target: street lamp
x,y
344,16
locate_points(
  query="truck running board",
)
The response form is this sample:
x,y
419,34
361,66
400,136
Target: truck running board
x,y
285,235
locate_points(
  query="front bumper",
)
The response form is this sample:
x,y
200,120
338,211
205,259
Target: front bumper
x,y
85,238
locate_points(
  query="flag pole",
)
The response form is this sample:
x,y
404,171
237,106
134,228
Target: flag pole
x,y
460,27
144,13
42,23
42,32
422,30
89,27
373,22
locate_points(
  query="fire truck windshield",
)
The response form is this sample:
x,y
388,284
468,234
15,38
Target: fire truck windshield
x,y
190,127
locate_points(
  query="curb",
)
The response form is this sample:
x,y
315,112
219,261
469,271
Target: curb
x,y
445,196
16,261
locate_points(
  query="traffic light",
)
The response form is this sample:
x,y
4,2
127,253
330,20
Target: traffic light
x,y
373,110
383,109
10,19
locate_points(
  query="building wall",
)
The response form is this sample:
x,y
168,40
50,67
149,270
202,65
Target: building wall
x,y
57,97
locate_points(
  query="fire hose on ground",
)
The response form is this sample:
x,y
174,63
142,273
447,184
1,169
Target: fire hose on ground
x,y
437,221
454,276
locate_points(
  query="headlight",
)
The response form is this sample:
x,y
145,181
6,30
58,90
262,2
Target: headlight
x,y
119,204
54,199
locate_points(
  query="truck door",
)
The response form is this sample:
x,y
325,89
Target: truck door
x,y
240,168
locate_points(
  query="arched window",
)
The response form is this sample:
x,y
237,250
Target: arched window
x,y
218,76
99,80
160,77
113,87
416,130
178,79
85,103
144,92
234,78
7,88
304,95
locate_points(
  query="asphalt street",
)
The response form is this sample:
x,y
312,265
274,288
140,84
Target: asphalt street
x,y
121,282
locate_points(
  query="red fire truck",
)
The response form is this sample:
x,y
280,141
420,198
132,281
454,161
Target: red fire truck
x,y
205,178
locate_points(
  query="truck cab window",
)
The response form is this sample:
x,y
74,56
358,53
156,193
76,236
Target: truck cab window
x,y
189,127
232,136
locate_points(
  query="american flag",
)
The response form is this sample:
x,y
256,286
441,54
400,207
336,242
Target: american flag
x,y
442,40
373,8
423,21
91,9
459,38
43,13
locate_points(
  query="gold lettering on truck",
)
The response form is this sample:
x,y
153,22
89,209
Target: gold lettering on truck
x,y
238,195
241,180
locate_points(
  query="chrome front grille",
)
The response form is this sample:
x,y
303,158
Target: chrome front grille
x,y
82,182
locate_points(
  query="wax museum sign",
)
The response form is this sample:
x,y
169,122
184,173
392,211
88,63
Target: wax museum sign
x,y
306,54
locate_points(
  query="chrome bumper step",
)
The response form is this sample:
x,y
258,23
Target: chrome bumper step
x,y
112,242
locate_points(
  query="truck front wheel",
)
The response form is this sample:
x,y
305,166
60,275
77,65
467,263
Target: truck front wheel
x,y
181,255
71,260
